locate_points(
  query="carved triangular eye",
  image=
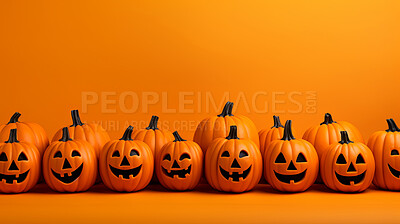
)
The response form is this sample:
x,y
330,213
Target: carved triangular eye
x,y
301,158
225,154
394,152
280,158
167,157
341,159
3,157
360,159
57,155
22,157
116,154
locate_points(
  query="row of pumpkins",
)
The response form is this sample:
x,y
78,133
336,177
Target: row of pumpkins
x,y
235,156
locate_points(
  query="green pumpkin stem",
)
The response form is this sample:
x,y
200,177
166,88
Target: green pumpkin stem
x,y
345,138
13,136
76,120
277,122
153,123
178,138
287,132
14,118
328,119
232,133
227,111
127,134
392,125
65,135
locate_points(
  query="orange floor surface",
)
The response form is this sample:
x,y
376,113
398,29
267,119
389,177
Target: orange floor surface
x,y
204,205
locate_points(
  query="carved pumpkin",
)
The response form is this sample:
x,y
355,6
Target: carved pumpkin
x,y
19,165
92,133
385,146
179,165
290,164
218,127
347,166
126,164
27,132
69,165
233,164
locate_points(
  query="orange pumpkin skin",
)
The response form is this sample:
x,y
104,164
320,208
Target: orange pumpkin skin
x,y
290,165
126,165
385,146
328,132
179,165
18,158
92,133
27,132
69,165
347,166
218,127
233,164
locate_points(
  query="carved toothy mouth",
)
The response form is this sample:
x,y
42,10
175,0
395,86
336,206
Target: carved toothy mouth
x,y
10,178
394,172
290,178
126,174
235,175
180,173
350,180
67,179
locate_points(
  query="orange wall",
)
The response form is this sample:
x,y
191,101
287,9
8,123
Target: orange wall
x,y
52,53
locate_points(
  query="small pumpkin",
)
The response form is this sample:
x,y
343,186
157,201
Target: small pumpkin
x,y
92,133
290,164
233,164
385,146
27,132
126,165
347,166
218,127
179,165
69,165
19,165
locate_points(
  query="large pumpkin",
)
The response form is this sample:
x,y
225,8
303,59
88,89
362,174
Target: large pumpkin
x,y
19,165
218,127
179,165
233,164
92,133
27,132
385,146
69,165
126,164
347,166
290,164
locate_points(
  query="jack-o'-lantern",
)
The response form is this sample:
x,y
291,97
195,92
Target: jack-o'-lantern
x,y
19,165
126,165
233,164
347,166
218,127
385,146
69,165
290,164
179,165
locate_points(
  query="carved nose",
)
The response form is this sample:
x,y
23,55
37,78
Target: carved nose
x,y
235,164
351,168
125,162
175,165
66,164
13,166
291,166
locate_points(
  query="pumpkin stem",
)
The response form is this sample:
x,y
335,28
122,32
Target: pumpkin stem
x,y
227,111
14,118
153,123
127,134
392,125
287,132
13,136
65,135
232,133
76,120
178,138
328,119
277,122
345,138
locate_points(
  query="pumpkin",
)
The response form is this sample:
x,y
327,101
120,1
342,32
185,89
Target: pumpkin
x,y
19,165
69,165
290,165
126,165
347,166
233,164
27,132
92,133
385,146
218,127
179,165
